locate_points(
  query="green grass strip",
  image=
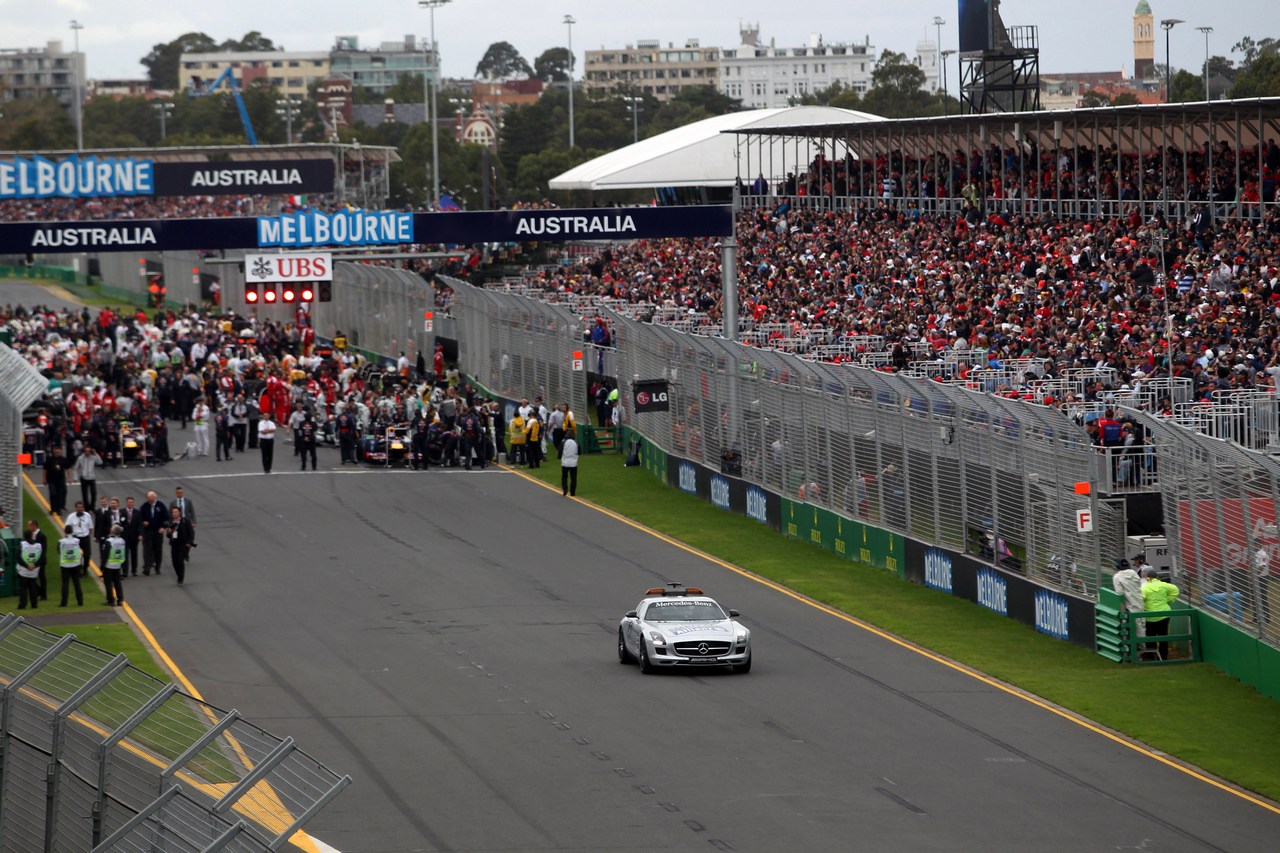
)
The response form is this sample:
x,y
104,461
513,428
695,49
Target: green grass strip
x,y
1194,712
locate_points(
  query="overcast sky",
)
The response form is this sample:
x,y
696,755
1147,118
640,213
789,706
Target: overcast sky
x,y
1085,35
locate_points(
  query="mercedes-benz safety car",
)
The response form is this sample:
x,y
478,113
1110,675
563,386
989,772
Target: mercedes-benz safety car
x,y
682,627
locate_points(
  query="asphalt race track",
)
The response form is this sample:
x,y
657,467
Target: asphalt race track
x,y
447,639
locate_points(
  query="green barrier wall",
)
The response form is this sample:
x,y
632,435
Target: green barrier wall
x,y
41,272
652,458
1236,653
853,540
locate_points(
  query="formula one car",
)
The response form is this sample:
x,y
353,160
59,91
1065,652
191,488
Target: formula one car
x,y
133,445
682,627
399,446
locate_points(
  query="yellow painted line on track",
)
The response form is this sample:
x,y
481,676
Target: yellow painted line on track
x,y
278,816
867,626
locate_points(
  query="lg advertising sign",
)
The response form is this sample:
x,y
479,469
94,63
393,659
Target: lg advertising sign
x,y
314,266
651,396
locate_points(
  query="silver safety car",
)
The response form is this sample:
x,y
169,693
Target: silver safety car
x,y
682,627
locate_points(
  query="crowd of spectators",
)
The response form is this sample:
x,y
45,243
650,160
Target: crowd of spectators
x,y
135,207
1100,293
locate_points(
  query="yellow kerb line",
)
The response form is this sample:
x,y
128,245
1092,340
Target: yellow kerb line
x,y
281,817
866,626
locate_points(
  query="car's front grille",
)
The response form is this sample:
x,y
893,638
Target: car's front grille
x,y
702,648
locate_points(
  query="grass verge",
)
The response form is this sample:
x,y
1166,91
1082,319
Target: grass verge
x,y
1169,708
117,638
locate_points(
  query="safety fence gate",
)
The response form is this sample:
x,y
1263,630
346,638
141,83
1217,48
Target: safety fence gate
x,y
98,755
20,386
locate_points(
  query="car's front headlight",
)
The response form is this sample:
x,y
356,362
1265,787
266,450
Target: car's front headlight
x,y
658,639
742,638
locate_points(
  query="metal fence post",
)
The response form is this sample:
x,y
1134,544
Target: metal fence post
x,y
59,722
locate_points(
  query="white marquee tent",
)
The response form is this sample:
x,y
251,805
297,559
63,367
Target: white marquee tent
x,y
707,153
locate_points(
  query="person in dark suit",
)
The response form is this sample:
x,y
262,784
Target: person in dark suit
x,y
180,538
102,528
131,521
188,510
155,515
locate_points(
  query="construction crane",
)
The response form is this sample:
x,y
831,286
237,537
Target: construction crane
x,y
198,89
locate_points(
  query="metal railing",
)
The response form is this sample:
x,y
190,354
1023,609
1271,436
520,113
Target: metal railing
x,y
938,462
98,755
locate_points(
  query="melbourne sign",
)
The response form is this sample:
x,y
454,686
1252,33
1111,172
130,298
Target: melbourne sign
x,y
100,177
651,396
344,228
75,177
313,266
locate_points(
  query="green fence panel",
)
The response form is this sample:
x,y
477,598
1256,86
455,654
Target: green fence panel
x,y
797,519
824,529
653,459
1269,668
1229,649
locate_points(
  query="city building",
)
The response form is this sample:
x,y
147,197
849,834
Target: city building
x,y
34,72
767,76
122,87
1144,41
926,59
289,71
648,68
379,69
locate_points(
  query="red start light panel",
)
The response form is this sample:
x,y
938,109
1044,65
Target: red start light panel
x,y
270,295
307,294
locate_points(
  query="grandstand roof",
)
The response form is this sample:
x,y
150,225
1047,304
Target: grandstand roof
x,y
1183,124
702,154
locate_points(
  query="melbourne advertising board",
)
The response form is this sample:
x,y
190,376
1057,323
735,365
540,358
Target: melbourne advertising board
x,y
313,229
91,176
1062,616
728,493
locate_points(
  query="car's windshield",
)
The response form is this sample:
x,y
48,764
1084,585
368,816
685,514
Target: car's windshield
x,y
684,611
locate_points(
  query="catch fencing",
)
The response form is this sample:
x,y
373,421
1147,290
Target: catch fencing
x,y
20,386
98,755
941,463
1220,502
